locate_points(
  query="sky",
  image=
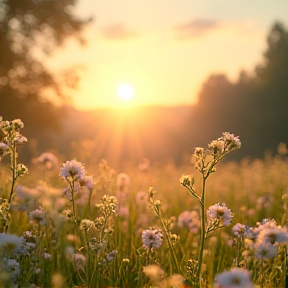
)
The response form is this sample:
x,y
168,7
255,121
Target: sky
x,y
164,50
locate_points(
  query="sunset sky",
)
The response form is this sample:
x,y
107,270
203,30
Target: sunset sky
x,y
164,49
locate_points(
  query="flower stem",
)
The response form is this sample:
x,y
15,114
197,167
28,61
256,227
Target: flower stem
x,y
169,241
202,232
14,172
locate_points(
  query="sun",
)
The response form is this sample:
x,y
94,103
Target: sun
x,y
125,92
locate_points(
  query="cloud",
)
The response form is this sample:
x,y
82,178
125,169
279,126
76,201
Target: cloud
x,y
195,28
118,32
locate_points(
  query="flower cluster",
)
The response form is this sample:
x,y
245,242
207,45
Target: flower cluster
x,y
219,213
10,138
72,170
10,134
224,144
235,278
38,216
49,160
205,160
190,219
264,240
152,238
75,174
108,206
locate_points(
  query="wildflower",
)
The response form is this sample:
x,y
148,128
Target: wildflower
x,y
220,212
108,205
86,181
9,242
125,260
217,147
97,245
152,238
48,159
189,219
265,251
250,233
72,169
47,256
68,193
29,237
264,201
13,267
272,236
86,224
155,273
20,139
21,170
123,212
199,153
175,280
238,230
37,270
231,141
3,148
17,124
38,216
122,181
79,261
187,181
235,278
111,255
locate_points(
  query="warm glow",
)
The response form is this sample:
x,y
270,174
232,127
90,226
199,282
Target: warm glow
x,y
125,92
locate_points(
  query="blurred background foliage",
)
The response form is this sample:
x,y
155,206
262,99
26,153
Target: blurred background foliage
x,y
29,31
255,107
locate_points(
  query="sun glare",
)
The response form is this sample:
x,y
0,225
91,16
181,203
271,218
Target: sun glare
x,y
125,92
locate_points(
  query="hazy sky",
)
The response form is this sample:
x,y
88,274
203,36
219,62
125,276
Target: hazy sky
x,y
165,49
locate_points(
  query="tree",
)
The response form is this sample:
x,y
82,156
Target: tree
x,y
254,107
27,27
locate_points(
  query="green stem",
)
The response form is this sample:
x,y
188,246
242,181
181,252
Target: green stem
x,y
14,170
88,264
13,160
169,242
89,202
202,233
73,202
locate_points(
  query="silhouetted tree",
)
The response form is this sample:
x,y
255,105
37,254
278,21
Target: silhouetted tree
x,y
255,107
29,28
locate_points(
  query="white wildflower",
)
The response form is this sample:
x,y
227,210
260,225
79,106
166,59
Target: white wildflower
x,y
265,251
86,181
9,242
48,159
38,216
72,169
189,219
220,212
152,238
235,278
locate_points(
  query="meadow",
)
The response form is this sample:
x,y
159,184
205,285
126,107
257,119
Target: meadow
x,y
208,223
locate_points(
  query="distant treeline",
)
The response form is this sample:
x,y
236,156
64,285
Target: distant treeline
x,y
255,107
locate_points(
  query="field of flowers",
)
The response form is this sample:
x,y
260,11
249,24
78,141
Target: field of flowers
x,y
66,223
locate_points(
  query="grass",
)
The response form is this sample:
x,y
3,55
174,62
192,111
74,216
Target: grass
x,y
100,245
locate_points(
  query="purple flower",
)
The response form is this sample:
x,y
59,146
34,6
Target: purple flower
x,y
152,238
